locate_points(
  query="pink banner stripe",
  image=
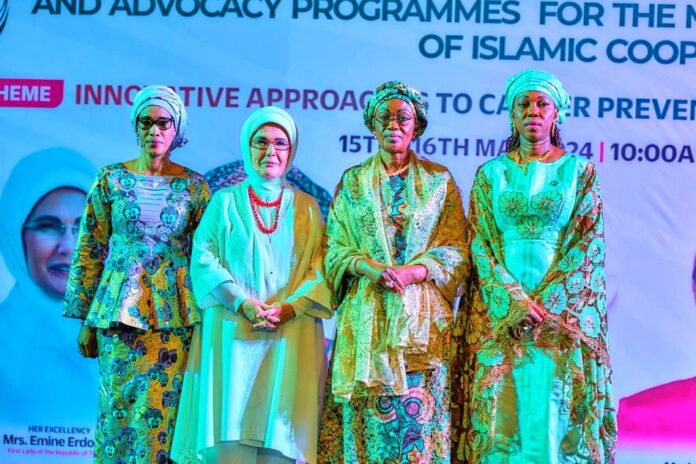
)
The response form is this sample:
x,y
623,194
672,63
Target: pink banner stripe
x,y
31,93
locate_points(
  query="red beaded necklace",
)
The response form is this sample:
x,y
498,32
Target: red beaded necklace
x,y
256,202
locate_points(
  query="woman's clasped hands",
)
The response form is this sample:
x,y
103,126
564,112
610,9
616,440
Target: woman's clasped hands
x,y
266,317
395,278
534,317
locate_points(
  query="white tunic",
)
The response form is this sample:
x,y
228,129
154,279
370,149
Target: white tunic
x,y
258,388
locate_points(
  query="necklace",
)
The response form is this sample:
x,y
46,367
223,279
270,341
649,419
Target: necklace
x,y
406,162
524,164
398,171
257,202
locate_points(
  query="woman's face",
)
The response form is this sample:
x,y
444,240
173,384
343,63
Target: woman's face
x,y
49,236
394,123
533,115
270,162
156,131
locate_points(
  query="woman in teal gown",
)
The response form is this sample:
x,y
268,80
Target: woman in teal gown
x,y
532,374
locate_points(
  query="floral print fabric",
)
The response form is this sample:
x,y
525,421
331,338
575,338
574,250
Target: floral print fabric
x,y
412,428
375,348
131,262
399,419
570,288
396,218
141,375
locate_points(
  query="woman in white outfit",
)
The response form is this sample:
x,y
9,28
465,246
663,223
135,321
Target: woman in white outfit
x,y
252,386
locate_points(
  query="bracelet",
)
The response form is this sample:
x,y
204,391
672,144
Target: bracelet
x,y
353,268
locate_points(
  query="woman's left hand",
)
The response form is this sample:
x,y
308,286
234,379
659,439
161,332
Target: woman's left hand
x,y
279,314
87,342
407,275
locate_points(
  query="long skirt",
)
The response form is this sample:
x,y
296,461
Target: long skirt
x,y
413,428
232,452
141,374
532,420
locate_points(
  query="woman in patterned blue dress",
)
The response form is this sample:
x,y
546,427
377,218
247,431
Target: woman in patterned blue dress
x,y
129,281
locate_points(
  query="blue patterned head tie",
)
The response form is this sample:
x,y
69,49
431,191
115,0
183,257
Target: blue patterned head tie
x,y
539,81
395,89
164,97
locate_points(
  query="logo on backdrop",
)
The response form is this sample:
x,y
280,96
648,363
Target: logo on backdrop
x,y
31,93
3,14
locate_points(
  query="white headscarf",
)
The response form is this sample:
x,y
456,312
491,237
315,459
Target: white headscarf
x,y
164,97
30,180
267,115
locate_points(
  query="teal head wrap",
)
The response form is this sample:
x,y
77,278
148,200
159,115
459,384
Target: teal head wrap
x,y
540,81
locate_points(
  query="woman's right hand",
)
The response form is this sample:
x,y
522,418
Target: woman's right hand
x,y
87,341
254,311
535,316
532,319
251,309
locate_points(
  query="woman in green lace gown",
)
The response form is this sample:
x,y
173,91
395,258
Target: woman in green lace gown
x,y
532,379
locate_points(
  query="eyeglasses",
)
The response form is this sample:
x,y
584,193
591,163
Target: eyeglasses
x,y
147,123
384,119
278,144
52,227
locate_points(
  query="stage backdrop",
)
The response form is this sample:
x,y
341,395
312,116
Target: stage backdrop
x,y
69,70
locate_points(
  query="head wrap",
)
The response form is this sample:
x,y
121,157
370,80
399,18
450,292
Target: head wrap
x,y
266,115
395,89
540,81
164,97
31,179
